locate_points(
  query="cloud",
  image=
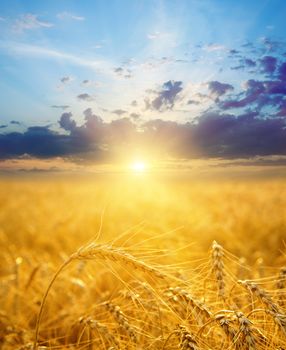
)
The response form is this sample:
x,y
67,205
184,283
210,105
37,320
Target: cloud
x,y
39,51
66,79
214,47
246,135
118,70
119,112
211,135
271,44
16,122
282,71
85,97
165,97
245,63
123,72
67,15
234,52
260,93
154,36
249,62
193,102
3,126
30,21
268,64
218,89
66,122
135,116
36,141
282,109
60,106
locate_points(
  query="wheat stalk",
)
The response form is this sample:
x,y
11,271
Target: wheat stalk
x,y
218,267
96,252
181,296
262,295
101,328
122,320
187,340
246,330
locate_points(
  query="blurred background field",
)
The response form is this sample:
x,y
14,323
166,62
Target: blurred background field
x,y
52,215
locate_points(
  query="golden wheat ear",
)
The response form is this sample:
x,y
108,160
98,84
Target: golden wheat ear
x,y
218,267
97,252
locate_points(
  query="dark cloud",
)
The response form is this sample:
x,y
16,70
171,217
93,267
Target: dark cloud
x,y
282,109
65,80
3,126
134,116
248,44
213,134
254,89
134,103
123,72
36,141
193,102
245,63
222,135
248,62
282,71
268,64
15,122
118,70
60,106
258,94
66,122
85,97
271,44
234,52
166,97
119,112
218,89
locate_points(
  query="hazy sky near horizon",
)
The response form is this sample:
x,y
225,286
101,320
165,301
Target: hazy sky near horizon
x,y
86,81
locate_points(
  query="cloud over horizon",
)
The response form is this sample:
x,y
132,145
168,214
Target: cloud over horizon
x,y
211,135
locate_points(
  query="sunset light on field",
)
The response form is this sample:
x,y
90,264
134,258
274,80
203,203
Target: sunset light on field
x,y
142,174
138,166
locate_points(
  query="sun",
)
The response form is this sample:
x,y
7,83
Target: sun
x,y
138,166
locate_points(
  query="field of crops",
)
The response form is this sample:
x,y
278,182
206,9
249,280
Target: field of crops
x,y
117,262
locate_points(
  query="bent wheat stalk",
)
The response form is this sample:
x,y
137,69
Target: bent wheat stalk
x,y
90,252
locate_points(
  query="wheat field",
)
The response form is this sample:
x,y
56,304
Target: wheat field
x,y
135,263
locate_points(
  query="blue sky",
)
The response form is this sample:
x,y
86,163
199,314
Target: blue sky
x,y
140,61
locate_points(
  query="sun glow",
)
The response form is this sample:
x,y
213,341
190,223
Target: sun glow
x,y
138,167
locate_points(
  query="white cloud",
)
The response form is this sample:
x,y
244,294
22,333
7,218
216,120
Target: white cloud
x,y
214,47
68,15
29,21
154,36
39,51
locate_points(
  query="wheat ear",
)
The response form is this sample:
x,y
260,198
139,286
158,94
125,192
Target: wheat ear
x,y
100,252
122,320
218,267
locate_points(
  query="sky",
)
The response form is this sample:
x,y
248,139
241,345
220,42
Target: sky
x,y
93,82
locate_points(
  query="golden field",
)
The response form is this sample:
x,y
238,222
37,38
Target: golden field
x,y
137,264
